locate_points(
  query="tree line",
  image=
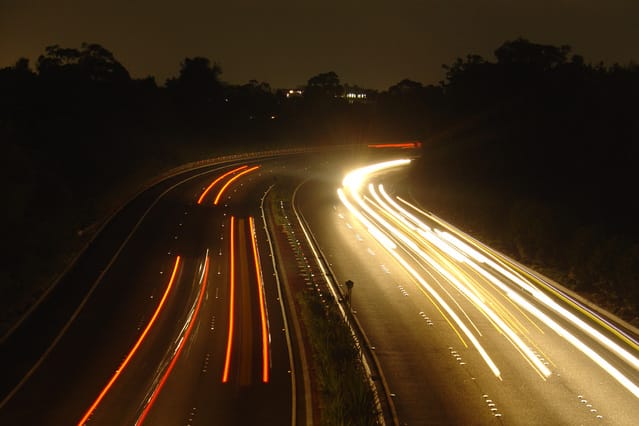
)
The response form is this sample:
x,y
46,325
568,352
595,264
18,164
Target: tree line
x,y
535,149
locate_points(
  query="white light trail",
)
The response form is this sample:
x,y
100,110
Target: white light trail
x,y
545,300
508,271
471,294
354,183
412,234
589,352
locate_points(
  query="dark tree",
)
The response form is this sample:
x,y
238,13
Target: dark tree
x,y
406,87
92,62
198,83
22,65
534,56
324,85
99,64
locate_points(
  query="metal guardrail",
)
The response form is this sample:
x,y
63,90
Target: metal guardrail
x,y
357,331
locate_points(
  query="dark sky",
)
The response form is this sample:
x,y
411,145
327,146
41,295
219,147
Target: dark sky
x,y
373,43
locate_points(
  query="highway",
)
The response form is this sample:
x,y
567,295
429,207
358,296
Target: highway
x,y
174,315
463,334
179,322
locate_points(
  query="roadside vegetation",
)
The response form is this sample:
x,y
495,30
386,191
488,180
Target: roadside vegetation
x,y
345,396
342,393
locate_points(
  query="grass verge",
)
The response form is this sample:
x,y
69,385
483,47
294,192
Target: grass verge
x,y
345,396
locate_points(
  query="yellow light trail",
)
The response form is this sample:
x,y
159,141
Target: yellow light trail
x,y
547,301
589,352
465,289
446,251
510,266
419,279
508,271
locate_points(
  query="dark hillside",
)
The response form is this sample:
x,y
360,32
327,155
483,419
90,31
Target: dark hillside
x,y
545,165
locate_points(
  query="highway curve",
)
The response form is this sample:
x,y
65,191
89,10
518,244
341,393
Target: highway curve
x,y
172,316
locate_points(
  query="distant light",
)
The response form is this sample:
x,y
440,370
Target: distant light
x,y
355,95
415,144
294,93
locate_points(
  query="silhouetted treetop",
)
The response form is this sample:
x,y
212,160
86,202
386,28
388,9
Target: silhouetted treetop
x,y
535,56
11,77
198,82
22,65
406,86
100,64
91,62
324,85
258,86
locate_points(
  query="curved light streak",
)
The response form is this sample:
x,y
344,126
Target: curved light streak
x,y
511,265
353,181
482,255
183,340
206,191
464,289
589,352
233,179
538,295
134,349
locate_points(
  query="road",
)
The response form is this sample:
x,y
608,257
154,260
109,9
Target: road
x,y
179,319
463,334
174,314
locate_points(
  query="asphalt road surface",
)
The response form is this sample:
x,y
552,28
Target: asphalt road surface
x,y
463,334
172,316
179,319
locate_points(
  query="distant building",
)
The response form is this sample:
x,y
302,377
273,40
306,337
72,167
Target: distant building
x,y
355,94
355,97
294,93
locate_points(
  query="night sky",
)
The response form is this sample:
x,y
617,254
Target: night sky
x,y
373,43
